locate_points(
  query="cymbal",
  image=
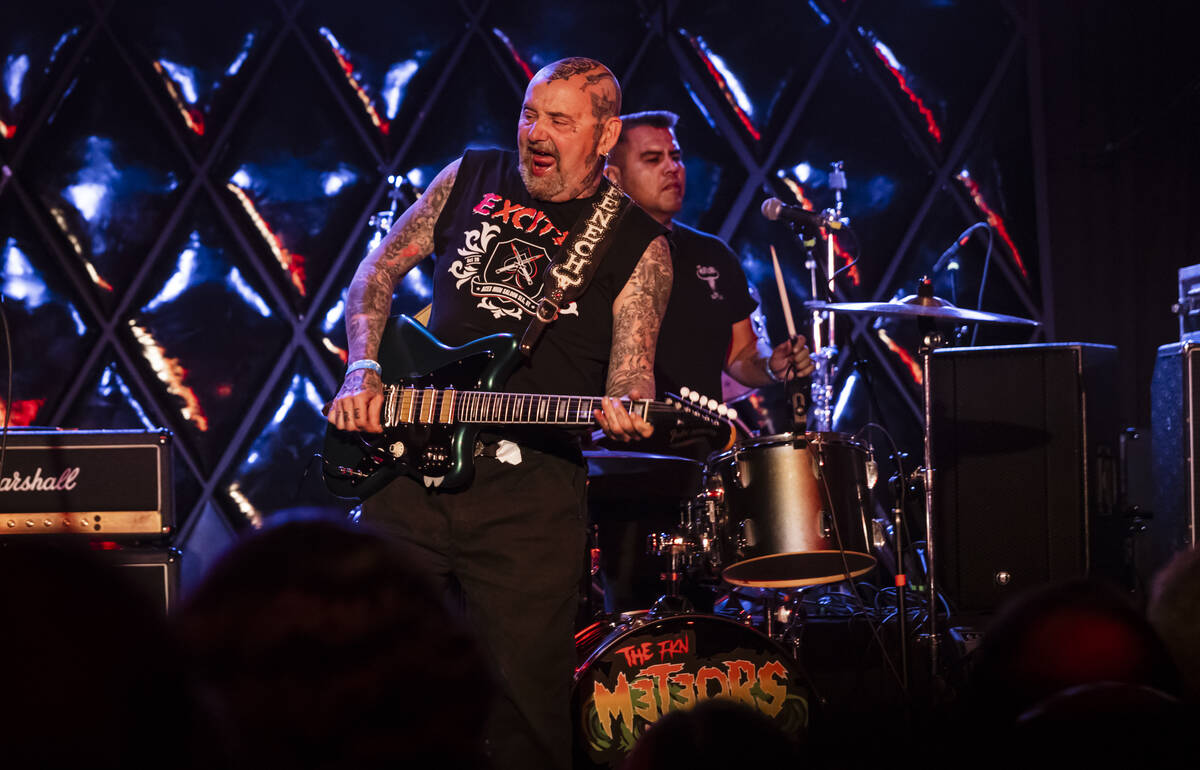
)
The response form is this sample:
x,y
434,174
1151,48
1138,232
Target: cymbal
x,y
915,306
639,476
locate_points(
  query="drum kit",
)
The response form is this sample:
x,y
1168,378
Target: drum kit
x,y
761,525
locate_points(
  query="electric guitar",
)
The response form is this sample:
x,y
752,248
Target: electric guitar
x,y
437,398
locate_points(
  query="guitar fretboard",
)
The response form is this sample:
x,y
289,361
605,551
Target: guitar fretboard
x,y
435,406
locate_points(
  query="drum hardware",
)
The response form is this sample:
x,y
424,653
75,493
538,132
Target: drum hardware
x,y
594,550
679,547
745,535
632,495
901,588
879,534
815,409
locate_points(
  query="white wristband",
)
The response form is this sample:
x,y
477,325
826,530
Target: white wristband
x,y
365,363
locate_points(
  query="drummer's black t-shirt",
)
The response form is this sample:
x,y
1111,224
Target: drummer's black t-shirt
x,y
709,295
494,242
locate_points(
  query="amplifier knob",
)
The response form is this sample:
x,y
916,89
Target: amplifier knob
x,y
11,523
29,523
47,523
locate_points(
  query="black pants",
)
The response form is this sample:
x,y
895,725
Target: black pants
x,y
512,546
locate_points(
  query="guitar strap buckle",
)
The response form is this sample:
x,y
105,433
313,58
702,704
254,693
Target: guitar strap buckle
x,y
547,311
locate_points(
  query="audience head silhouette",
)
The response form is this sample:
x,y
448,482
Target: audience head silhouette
x,y
329,651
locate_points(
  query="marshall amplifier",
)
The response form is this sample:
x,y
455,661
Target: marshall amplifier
x,y
106,484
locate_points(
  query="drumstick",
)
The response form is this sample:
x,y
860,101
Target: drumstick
x,y
787,308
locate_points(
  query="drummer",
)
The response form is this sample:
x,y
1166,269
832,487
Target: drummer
x,y
707,328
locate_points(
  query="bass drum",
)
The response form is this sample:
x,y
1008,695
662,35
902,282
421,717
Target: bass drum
x,y
635,668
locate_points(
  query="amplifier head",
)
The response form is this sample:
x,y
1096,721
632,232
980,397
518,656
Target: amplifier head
x,y
112,484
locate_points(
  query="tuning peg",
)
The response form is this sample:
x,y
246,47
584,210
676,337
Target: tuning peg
x,y
693,396
685,392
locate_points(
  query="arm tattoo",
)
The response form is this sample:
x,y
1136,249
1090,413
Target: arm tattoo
x,y
637,314
369,299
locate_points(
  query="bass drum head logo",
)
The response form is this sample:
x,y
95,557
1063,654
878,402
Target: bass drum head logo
x,y
634,675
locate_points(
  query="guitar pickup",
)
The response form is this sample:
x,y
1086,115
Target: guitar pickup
x,y
435,456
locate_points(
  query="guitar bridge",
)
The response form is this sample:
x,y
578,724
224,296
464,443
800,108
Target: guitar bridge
x,y
342,472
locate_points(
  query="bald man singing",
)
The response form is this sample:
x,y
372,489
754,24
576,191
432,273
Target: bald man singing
x,y
511,544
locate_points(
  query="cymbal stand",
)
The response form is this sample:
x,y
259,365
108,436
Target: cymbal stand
x,y
825,352
824,374
901,587
930,341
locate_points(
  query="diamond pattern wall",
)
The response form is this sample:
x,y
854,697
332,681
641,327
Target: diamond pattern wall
x,y
191,186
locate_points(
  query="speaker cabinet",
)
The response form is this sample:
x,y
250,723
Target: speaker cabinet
x,y
153,570
1023,440
1174,398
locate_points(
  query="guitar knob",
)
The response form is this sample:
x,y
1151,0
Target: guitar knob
x,y
396,449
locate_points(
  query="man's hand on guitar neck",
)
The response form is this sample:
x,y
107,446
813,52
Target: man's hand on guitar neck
x,y
618,424
357,405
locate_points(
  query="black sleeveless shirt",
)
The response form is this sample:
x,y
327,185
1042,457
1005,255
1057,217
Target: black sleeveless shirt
x,y
493,243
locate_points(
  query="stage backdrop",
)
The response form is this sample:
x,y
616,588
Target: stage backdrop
x,y
188,187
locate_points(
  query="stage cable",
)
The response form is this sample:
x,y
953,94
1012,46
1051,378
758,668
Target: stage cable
x,y
867,615
9,387
987,261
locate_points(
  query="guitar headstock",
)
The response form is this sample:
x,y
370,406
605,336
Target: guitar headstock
x,y
698,405
719,418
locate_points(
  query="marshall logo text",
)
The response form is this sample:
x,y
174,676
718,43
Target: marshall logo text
x,y
18,482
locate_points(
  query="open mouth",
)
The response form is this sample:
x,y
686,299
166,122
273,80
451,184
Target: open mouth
x,y
540,162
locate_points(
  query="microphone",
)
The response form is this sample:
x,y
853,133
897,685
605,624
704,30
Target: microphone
x,y
775,210
945,259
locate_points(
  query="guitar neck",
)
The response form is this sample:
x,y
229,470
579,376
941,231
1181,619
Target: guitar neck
x,y
436,406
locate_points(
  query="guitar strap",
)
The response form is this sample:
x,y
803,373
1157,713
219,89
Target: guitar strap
x,y
577,259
